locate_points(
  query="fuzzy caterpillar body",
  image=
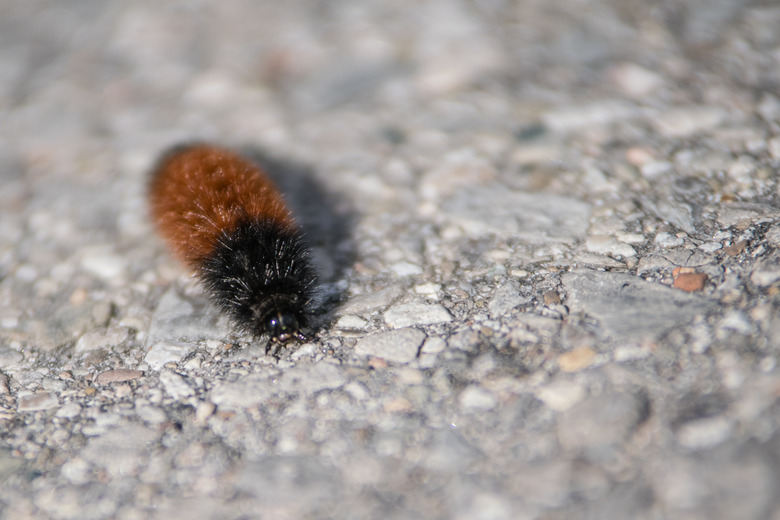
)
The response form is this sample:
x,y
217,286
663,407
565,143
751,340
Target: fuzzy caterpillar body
x,y
223,217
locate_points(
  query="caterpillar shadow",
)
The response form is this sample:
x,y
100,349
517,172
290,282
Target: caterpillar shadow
x,y
326,219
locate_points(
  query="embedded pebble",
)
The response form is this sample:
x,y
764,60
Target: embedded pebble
x,y
704,433
476,398
372,301
163,353
397,346
433,345
654,169
690,282
686,121
203,411
576,360
560,395
636,81
118,375
506,297
710,247
667,240
37,401
10,359
598,113
69,410
103,263
76,470
430,290
631,238
774,147
737,321
596,261
402,269
350,322
175,385
102,338
537,152
606,245
765,274
416,314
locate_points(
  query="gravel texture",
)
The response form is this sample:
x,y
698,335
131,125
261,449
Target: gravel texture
x,y
548,235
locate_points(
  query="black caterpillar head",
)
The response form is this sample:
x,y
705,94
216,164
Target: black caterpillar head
x,y
261,276
280,317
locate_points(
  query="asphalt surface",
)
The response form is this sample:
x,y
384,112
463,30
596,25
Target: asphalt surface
x,y
548,236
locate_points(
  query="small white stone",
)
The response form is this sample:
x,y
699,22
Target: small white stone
x,y
667,240
631,238
162,353
425,361
685,121
103,263
560,395
704,433
636,81
175,385
400,345
572,118
402,269
307,350
774,147
26,273
151,414
710,247
358,391
429,290
765,278
37,401
737,321
204,410
653,169
351,322
743,168
602,244
214,344
477,398
193,363
416,313
630,353
506,297
433,345
102,338
371,301
76,470
69,410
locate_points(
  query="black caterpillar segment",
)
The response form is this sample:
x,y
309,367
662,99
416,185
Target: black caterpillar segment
x,y
260,275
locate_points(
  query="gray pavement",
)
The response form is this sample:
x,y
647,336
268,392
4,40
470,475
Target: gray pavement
x,y
548,234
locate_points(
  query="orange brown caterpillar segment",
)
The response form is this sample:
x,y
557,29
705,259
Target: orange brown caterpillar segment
x,y
201,191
